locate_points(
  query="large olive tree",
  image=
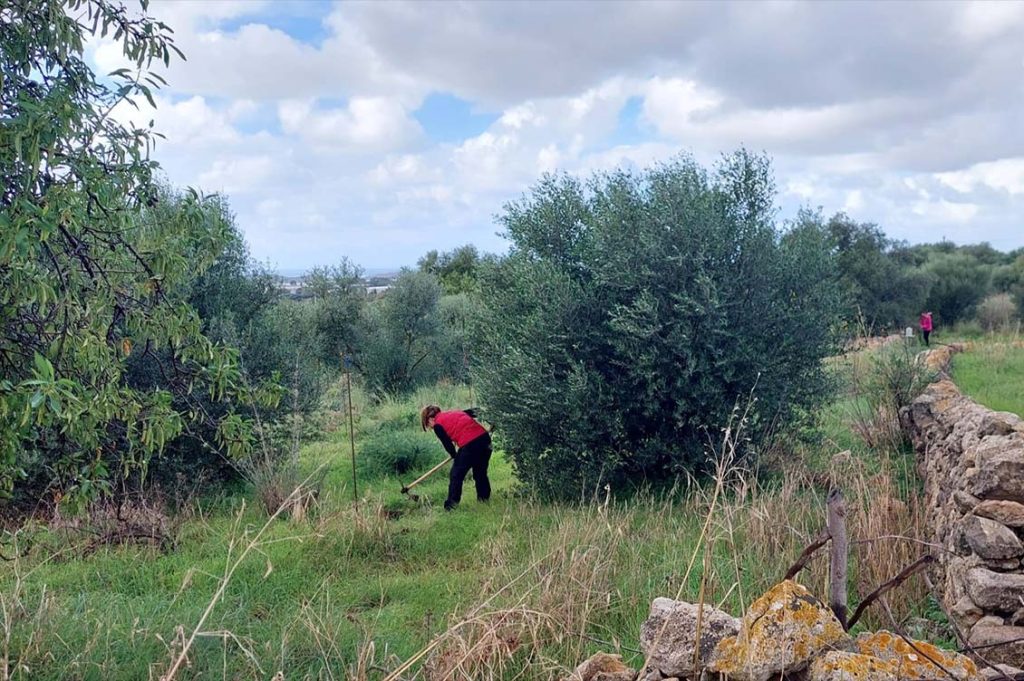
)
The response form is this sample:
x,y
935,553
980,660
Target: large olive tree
x,y
636,310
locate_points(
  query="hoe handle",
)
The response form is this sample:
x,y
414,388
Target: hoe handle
x,y
405,490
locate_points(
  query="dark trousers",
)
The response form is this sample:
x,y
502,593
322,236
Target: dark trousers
x,y
926,334
475,456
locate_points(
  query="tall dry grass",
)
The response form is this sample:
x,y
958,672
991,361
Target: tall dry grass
x,y
536,623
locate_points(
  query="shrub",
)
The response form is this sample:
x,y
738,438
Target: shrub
x,y
634,312
896,375
396,452
997,312
959,282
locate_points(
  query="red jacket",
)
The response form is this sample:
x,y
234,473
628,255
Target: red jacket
x,y
459,426
926,322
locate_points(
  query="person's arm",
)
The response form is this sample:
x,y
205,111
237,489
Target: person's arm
x,y
449,446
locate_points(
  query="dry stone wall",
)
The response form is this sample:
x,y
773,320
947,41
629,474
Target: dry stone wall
x,y
972,462
786,634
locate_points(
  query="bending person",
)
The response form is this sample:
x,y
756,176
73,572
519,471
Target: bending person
x,y
460,428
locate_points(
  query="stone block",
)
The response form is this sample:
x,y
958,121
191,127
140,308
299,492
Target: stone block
x,y
676,622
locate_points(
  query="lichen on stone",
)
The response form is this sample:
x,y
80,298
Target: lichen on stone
x,y
916,659
780,632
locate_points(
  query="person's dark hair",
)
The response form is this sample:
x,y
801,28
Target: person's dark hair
x,y
428,413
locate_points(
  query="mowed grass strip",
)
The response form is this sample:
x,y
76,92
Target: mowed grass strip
x,y
993,375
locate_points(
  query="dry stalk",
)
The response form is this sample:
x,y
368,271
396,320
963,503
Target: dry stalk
x,y
727,457
229,573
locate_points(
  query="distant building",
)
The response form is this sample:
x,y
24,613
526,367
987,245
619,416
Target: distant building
x,y
376,290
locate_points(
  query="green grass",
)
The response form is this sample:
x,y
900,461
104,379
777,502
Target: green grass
x,y
992,374
545,584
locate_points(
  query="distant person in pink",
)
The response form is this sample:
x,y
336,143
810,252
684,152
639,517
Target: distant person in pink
x,y
926,326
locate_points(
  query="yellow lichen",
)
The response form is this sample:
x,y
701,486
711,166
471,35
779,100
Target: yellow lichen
x,y
781,630
921,660
845,666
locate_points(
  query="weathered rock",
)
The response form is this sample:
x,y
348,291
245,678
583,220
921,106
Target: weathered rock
x,y
966,610
628,675
1001,672
991,540
990,621
1009,565
602,667
997,591
965,502
1009,513
676,622
780,632
999,469
837,665
938,359
999,423
999,643
1017,618
921,660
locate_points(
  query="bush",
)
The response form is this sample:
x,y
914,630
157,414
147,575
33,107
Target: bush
x,y
997,312
396,452
959,283
634,312
897,374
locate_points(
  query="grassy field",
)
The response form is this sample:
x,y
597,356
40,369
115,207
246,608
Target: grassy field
x,y
993,374
510,589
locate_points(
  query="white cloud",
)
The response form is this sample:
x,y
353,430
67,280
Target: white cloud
x,y
364,124
189,123
408,168
945,211
671,103
802,187
238,176
319,146
854,202
1006,175
981,20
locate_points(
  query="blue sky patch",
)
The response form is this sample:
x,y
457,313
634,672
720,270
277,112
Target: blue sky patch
x,y
303,21
447,118
631,129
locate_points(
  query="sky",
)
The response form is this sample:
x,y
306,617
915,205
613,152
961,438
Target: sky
x,y
378,131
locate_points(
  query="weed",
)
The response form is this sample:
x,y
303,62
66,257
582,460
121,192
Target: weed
x,y
895,375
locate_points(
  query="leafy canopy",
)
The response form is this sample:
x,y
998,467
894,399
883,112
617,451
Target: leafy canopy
x,y
86,269
635,311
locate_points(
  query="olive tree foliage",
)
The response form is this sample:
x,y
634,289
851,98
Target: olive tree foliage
x,y
338,298
637,310
997,312
879,291
458,270
402,329
960,281
85,277
1009,279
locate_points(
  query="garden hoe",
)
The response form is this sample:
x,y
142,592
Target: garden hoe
x,y
406,488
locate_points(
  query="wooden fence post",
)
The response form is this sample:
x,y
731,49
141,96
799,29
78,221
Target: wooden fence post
x,y
346,361
837,554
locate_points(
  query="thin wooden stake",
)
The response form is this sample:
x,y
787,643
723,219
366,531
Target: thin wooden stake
x,y
838,555
351,427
